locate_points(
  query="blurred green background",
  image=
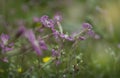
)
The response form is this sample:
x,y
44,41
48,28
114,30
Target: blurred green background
x,y
100,57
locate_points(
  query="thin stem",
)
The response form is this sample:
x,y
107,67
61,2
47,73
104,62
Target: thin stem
x,y
80,33
60,27
47,36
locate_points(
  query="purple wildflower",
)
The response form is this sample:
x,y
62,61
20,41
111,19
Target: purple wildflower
x,y
91,33
36,19
55,53
82,38
50,23
20,31
30,35
70,38
35,44
4,38
58,17
43,19
63,36
67,37
4,43
42,44
55,33
86,26
47,22
57,62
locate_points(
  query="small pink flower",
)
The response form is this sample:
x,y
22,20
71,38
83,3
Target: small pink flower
x,y
86,26
4,43
57,62
55,53
82,38
47,22
42,44
35,44
58,17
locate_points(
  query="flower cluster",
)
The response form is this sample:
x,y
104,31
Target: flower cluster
x,y
50,23
38,42
89,29
47,22
4,44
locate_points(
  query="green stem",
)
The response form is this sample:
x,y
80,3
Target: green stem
x,y
60,27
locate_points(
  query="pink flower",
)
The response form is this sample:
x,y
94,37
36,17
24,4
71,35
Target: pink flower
x,y
58,17
47,22
38,45
86,26
35,44
42,44
4,43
